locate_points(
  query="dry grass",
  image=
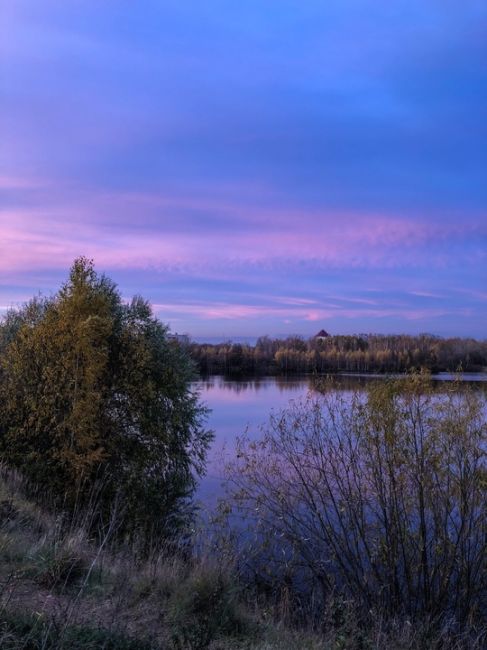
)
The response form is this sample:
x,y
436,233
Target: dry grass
x,y
58,589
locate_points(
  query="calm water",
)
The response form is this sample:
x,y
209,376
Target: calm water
x,y
239,406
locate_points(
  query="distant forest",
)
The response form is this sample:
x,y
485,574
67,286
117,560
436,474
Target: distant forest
x,y
362,353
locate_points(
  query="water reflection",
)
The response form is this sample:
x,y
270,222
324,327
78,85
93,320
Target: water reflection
x,y
281,383
241,406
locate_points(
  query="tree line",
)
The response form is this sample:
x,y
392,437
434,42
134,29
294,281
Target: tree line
x,y
365,353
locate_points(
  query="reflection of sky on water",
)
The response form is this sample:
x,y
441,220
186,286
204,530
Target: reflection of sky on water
x,y
241,406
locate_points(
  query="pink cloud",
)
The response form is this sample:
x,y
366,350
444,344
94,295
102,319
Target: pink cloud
x,y
314,315
233,311
294,301
425,294
65,222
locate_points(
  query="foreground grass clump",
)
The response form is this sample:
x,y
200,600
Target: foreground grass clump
x,y
59,564
203,607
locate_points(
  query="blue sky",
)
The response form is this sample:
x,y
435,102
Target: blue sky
x,y
254,167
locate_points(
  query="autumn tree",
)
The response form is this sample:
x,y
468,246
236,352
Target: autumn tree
x,y
93,391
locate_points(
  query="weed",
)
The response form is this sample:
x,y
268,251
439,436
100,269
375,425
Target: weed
x,y
201,608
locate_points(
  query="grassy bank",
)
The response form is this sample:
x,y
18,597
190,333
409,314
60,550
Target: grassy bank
x,y
60,589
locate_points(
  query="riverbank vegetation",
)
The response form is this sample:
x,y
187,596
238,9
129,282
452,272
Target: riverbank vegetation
x,y
367,353
353,522
377,497
61,588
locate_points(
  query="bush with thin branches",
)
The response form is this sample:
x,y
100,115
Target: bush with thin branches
x,y
379,497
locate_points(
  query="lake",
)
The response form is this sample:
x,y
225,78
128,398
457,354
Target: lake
x,y
244,405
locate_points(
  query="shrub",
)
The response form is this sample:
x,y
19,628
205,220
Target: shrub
x,y
380,497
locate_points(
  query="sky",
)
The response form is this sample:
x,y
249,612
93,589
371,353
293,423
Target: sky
x,y
253,167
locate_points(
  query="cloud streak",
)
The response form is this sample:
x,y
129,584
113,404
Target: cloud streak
x,y
171,236
232,311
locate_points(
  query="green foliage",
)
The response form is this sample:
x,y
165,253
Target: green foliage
x,y
94,392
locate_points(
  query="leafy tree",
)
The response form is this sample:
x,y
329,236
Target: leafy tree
x,y
94,391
